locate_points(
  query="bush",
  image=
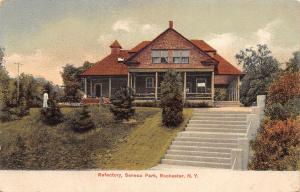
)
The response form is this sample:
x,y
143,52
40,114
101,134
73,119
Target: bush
x,y
171,99
196,105
82,120
285,88
275,147
221,94
276,111
121,104
52,114
293,107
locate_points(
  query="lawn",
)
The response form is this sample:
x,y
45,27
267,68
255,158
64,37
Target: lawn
x,y
29,144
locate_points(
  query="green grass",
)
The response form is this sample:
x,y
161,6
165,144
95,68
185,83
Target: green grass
x,y
145,146
111,145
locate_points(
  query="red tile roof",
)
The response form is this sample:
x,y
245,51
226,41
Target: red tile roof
x,y
109,65
203,45
139,46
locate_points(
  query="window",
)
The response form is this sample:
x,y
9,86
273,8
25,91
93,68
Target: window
x,y
149,82
181,56
159,56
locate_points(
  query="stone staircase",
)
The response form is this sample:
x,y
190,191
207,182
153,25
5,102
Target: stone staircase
x,y
209,138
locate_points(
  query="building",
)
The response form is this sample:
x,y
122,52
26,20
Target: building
x,y
142,68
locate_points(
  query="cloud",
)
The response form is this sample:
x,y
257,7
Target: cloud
x,y
122,25
229,44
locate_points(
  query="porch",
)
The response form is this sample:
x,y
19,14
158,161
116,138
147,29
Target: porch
x,y
197,86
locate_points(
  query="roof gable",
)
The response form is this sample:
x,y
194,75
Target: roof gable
x,y
145,44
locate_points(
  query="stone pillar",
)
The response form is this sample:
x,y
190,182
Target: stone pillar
x,y
238,88
156,85
91,87
109,87
184,86
261,101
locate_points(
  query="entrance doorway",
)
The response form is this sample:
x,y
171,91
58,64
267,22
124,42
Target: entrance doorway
x,y
98,89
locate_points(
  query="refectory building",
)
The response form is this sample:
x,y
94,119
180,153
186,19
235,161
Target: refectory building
x,y
142,68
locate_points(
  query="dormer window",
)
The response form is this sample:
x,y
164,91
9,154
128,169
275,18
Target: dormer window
x,y
159,56
181,56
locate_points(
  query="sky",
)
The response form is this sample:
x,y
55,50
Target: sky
x,y
44,35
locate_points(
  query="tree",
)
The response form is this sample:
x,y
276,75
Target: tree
x,y
275,146
72,80
52,115
284,88
82,120
171,99
260,67
121,104
1,57
293,65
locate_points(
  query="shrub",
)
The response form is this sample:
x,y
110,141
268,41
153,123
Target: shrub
x,y
276,111
285,88
221,94
196,105
23,109
82,120
276,146
293,107
52,115
171,99
121,104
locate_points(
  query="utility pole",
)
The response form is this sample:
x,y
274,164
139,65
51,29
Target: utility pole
x,y
18,82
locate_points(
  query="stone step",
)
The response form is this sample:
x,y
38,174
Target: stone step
x,y
208,125
198,153
221,130
198,158
199,111
212,119
211,135
213,140
222,122
196,163
202,149
221,115
204,144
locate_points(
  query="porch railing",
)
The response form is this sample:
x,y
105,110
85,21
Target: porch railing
x,y
189,96
199,96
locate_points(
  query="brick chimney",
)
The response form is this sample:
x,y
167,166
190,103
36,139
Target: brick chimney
x,y
115,47
171,24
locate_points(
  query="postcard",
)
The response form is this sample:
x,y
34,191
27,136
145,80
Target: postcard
x,y
161,95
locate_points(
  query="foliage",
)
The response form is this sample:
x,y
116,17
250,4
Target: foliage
x,y
81,120
221,94
1,57
121,104
284,88
171,99
52,115
72,81
277,111
260,67
293,65
197,104
275,147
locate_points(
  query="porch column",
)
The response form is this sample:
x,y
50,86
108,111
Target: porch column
x,y
156,85
238,88
184,86
85,87
91,87
109,87
213,86
128,80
